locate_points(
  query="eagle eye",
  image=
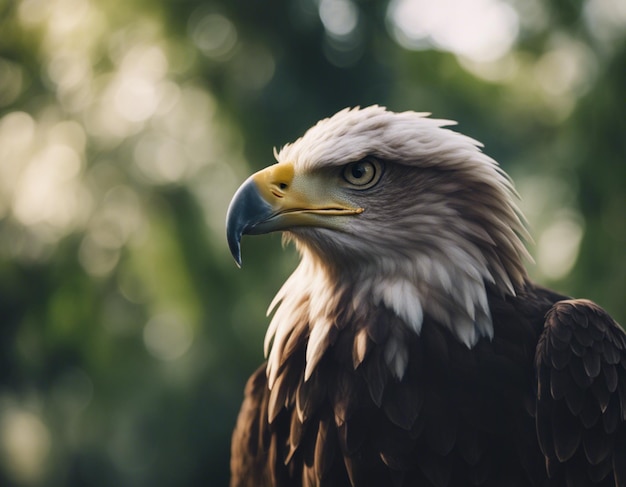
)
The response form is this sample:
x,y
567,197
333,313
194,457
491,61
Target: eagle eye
x,y
363,174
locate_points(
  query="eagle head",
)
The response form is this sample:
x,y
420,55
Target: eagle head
x,y
390,209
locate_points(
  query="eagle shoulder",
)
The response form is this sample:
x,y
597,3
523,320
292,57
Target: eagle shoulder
x,y
581,395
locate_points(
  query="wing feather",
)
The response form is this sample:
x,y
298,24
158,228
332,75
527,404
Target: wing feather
x,y
376,376
278,397
597,445
402,404
310,394
296,433
566,433
325,447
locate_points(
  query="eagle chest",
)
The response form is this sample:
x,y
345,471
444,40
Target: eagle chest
x,y
354,420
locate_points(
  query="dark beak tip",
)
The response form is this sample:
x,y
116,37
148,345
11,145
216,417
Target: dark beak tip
x,y
246,210
238,259
234,244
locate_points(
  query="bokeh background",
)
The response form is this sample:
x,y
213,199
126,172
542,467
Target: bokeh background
x,y
126,331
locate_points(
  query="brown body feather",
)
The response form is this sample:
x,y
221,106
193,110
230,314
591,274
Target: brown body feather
x,y
489,416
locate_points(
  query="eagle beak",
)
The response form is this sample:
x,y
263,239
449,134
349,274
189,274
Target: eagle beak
x,y
275,198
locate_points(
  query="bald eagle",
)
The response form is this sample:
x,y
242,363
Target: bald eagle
x,y
409,347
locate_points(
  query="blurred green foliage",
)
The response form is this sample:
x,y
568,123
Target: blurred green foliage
x,y
125,127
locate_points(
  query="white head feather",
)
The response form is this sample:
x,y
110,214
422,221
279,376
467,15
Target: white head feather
x,y
432,249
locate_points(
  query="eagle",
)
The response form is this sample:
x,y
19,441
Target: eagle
x,y
410,347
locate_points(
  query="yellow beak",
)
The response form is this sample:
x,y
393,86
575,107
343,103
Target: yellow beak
x,y
276,198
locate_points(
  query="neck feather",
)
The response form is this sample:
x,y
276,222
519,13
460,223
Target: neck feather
x,y
317,302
